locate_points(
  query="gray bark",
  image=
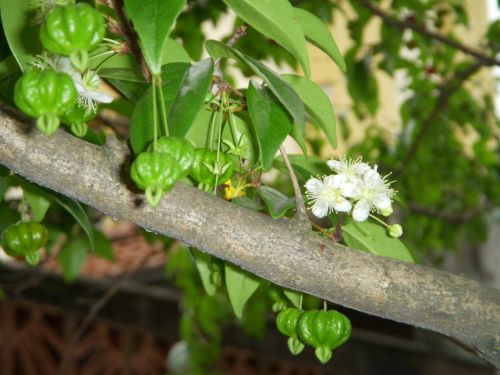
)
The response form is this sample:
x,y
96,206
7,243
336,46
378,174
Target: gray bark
x,y
277,250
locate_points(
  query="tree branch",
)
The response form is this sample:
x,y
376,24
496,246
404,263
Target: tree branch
x,y
276,250
407,24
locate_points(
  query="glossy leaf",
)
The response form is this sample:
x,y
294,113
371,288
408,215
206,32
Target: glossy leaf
x,y
271,122
280,88
174,52
317,32
189,97
275,19
8,67
39,204
131,90
203,265
247,203
277,202
72,258
317,104
20,30
240,287
374,239
76,210
294,297
153,20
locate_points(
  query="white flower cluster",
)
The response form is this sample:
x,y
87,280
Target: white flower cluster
x,y
355,188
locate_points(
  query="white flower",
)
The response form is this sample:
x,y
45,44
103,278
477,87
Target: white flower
x,y
373,192
88,90
87,85
326,195
351,170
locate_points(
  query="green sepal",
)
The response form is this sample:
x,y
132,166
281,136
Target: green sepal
x,y
48,123
295,345
32,258
324,354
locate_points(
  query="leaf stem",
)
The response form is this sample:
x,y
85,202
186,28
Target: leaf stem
x,y
219,137
162,105
155,118
301,213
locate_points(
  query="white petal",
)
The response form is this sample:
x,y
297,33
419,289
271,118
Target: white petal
x,y
313,185
372,177
334,164
320,209
361,211
350,190
100,97
334,181
342,205
381,201
362,168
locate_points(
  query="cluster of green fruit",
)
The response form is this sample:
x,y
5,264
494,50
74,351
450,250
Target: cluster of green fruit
x,y
324,330
24,240
159,168
49,95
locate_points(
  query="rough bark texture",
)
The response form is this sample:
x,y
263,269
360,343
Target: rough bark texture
x,y
277,250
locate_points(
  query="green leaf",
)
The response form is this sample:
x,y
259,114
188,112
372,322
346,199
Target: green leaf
x,y
8,67
72,258
374,239
153,20
275,19
280,88
277,202
103,246
294,297
39,203
271,122
141,127
203,265
240,287
174,52
317,104
316,31
190,97
247,203
131,90
76,210
20,30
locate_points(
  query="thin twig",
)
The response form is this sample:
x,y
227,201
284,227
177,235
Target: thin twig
x,y
237,35
301,213
132,37
445,92
96,308
409,24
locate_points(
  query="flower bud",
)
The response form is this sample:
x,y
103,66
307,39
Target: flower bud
x,y
386,211
395,230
